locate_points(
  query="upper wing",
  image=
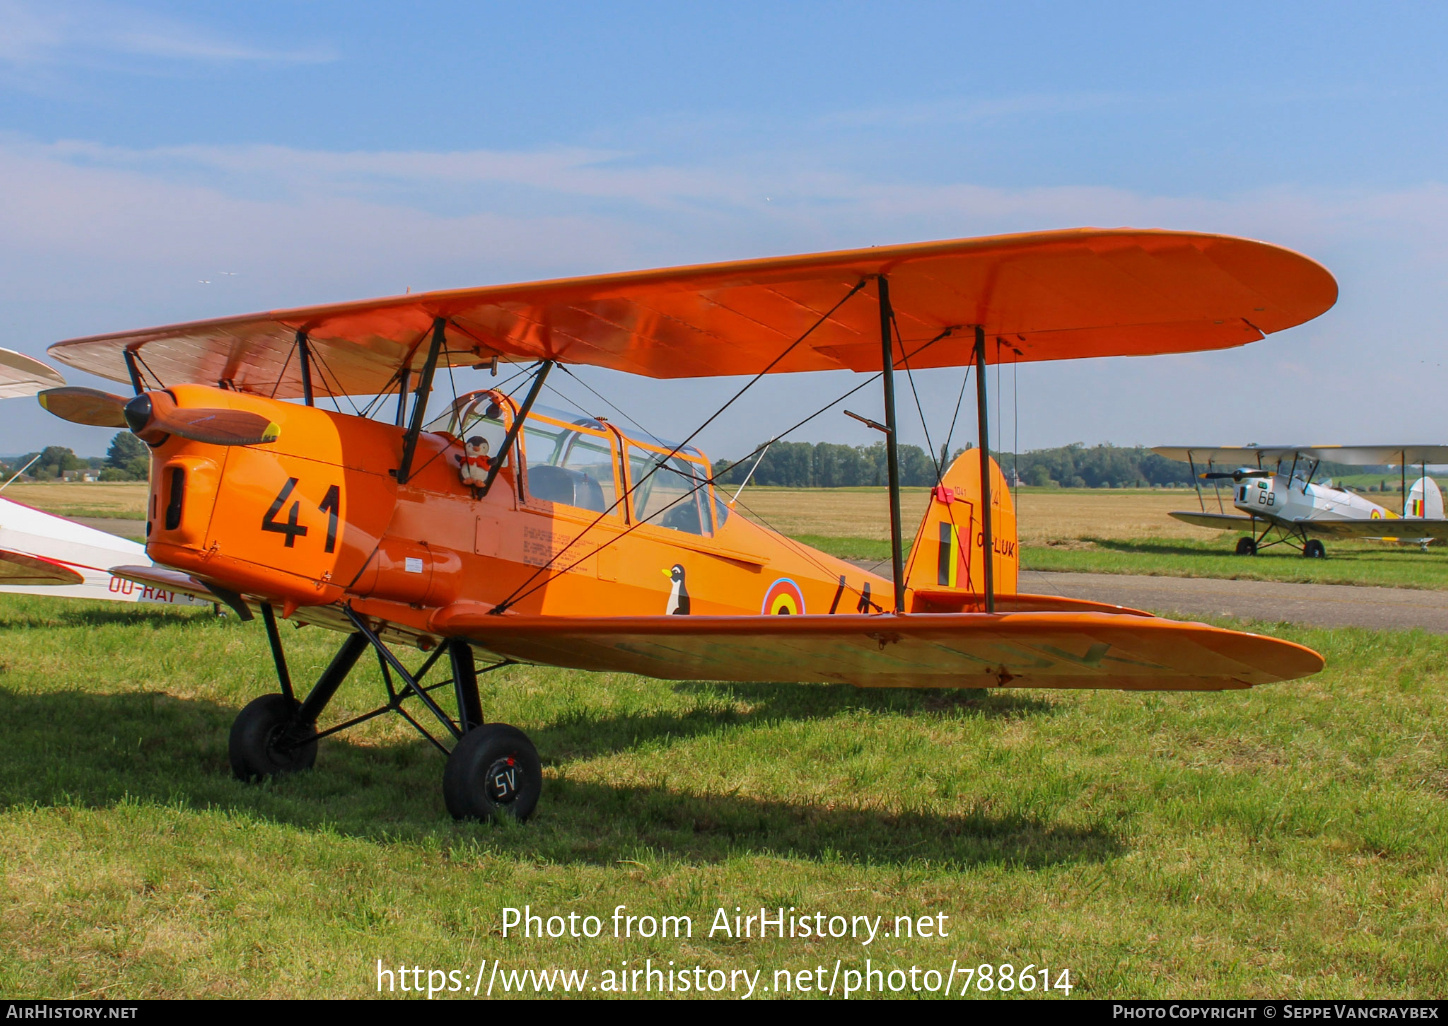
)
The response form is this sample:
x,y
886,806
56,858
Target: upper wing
x,y
1394,527
1217,521
22,569
1039,296
20,375
1268,455
1044,650
1376,455
1228,455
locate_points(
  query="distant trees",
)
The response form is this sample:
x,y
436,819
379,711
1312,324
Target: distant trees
x,y
49,464
828,465
128,459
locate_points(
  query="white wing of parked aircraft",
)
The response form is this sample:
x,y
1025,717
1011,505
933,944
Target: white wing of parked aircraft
x,y
1273,491
41,554
21,376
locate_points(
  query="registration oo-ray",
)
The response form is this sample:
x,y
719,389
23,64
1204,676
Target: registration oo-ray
x,y
508,530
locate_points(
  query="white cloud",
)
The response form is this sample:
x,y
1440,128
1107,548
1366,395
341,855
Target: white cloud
x,y
103,238
59,32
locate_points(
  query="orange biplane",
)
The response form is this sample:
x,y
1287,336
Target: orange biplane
x,y
531,535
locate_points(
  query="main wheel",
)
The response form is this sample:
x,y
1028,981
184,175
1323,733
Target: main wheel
x,y
1246,547
494,771
1314,549
267,740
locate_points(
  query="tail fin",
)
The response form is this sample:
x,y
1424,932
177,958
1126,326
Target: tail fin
x,y
1424,500
938,560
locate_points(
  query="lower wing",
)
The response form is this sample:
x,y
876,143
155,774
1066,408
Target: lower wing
x,y
19,569
968,650
1382,528
1217,521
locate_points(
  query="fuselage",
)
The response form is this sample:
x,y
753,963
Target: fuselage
x,y
1294,499
319,517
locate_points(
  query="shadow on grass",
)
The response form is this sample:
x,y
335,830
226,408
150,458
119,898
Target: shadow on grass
x,y
587,735
1168,547
1160,547
77,748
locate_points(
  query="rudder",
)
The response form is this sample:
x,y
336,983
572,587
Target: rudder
x,y
1424,500
938,560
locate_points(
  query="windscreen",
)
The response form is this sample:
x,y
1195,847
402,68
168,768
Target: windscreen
x,y
673,496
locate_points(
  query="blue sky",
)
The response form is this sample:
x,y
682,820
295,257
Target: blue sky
x,y
322,151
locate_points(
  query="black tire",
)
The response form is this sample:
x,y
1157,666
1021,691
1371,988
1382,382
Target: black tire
x,y
265,736
493,772
1246,547
1314,549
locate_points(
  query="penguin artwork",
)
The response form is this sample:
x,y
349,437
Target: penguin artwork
x,y
475,463
678,603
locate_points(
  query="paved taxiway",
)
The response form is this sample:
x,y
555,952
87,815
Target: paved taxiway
x,y
1317,605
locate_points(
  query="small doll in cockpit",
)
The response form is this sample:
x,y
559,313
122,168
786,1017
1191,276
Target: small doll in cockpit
x,y
474,464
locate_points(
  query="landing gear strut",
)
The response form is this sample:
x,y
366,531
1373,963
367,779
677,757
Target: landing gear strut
x,y
492,769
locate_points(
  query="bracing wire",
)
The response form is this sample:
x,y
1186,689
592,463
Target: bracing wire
x,y
964,383
910,377
660,462
1016,419
283,372
528,587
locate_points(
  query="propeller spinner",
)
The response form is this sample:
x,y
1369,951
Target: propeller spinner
x,y
153,415
1236,475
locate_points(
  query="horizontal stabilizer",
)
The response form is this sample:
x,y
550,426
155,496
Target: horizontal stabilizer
x,y
930,650
931,600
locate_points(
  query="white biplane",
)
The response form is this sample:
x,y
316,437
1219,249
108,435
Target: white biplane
x,y
42,554
1274,488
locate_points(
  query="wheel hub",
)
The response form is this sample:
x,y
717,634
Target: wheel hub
x,y
504,780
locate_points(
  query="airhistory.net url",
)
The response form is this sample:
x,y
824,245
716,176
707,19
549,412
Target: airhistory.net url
x,y
494,978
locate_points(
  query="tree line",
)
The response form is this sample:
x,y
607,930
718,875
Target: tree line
x,y
127,459
831,465
791,465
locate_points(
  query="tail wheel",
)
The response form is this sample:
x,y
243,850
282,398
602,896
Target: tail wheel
x,y
268,741
1246,546
493,772
1314,549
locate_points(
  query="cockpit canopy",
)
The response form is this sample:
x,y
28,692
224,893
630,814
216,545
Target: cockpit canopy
x,y
573,459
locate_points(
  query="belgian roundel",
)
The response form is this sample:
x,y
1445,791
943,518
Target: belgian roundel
x,y
783,596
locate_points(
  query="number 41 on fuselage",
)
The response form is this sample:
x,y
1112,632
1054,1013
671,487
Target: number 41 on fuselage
x,y
1274,487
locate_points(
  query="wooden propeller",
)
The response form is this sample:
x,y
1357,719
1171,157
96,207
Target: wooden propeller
x,y
84,406
153,415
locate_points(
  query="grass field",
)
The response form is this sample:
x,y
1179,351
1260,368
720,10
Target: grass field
x,y
104,499
1287,841
1363,563
1095,530
1043,514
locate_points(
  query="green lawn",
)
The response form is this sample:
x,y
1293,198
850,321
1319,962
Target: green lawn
x,y
1347,563
1287,841
1369,563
